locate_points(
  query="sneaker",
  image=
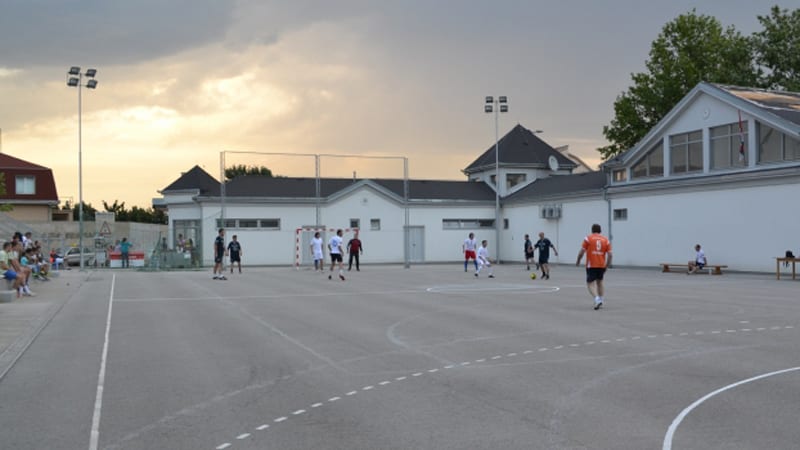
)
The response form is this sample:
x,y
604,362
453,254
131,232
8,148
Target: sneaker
x,y
598,305
329,277
529,268
28,294
222,278
216,277
341,276
491,276
465,270
476,275
547,277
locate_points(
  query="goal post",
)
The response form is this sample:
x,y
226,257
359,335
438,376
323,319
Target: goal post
x,y
302,243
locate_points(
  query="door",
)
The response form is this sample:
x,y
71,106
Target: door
x,y
416,244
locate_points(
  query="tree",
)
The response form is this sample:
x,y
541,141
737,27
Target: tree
x,y
135,214
239,170
690,49
88,212
778,48
4,207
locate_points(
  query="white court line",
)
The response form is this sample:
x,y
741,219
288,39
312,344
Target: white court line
x,y
94,435
674,426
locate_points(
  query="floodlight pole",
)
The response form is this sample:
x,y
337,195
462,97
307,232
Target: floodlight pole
x,y
498,105
72,81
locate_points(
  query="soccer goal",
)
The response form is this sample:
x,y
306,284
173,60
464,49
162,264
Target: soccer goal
x,y
302,244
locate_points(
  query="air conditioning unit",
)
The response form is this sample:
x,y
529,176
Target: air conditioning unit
x,y
550,212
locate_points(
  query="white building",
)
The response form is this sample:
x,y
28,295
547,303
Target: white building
x,y
682,184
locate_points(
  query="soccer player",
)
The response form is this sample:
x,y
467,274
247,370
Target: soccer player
x,y
528,248
354,248
483,259
598,258
544,245
235,251
335,249
219,254
316,250
469,248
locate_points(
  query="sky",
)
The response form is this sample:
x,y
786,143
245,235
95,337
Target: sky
x,y
189,82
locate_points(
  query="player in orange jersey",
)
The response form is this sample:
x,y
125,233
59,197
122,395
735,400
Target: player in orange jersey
x,y
598,257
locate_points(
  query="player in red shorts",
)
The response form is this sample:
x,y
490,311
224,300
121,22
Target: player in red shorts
x,y
469,247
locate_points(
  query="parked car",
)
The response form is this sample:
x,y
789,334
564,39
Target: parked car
x,y
72,257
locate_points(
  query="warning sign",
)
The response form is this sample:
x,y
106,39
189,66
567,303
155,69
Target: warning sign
x,y
105,230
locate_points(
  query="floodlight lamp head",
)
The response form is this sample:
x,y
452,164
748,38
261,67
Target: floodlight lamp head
x,y
74,70
72,82
489,99
91,73
91,84
502,99
487,108
503,108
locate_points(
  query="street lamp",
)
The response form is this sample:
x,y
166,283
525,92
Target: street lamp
x,y
499,105
75,79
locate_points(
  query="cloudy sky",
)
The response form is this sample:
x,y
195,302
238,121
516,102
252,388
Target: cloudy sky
x,y
180,81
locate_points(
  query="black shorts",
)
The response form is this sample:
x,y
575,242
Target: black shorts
x,y
528,255
544,260
700,265
235,258
594,274
218,260
336,257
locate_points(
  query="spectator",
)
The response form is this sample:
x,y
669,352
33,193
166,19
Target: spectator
x,y
699,260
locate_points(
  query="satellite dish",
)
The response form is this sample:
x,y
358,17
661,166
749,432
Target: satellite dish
x,y
553,163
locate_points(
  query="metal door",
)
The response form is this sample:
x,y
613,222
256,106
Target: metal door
x,y
416,244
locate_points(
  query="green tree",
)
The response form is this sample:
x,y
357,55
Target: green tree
x,y
3,206
778,48
88,212
690,49
240,169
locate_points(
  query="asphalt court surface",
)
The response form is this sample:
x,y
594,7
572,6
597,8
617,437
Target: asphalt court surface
x,y
432,357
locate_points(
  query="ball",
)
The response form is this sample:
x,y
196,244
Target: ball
x,y
533,276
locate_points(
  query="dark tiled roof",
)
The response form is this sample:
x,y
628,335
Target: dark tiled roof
x,y
196,178
561,185
520,147
45,189
283,187
783,104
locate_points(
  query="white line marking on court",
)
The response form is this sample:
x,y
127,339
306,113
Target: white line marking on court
x,y
316,405
367,388
511,354
298,412
636,337
683,334
384,383
101,377
416,374
526,352
400,378
788,327
224,446
675,423
496,357
775,328
716,332
243,436
543,349
280,419
449,366
480,360
333,399
351,393
262,427
574,345
433,370
744,321
465,363
730,331
559,347
745,329
589,343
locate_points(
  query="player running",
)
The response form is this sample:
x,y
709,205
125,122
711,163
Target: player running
x,y
544,245
598,258
335,249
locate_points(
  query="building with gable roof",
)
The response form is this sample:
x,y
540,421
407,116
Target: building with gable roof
x,y
684,183
29,188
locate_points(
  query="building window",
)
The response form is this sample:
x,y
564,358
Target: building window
x,y
270,224
355,223
229,223
26,185
686,151
621,214
620,176
462,224
726,142
775,146
651,165
505,224
248,223
514,179
375,224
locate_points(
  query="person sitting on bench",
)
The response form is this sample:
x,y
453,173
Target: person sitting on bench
x,y
699,260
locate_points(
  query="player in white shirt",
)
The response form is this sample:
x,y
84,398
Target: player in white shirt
x,y
316,250
469,247
483,259
335,249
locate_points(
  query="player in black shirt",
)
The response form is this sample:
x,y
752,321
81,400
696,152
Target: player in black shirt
x,y
528,249
219,254
544,245
235,250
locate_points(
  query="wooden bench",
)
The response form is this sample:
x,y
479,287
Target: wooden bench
x,y
712,269
785,261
